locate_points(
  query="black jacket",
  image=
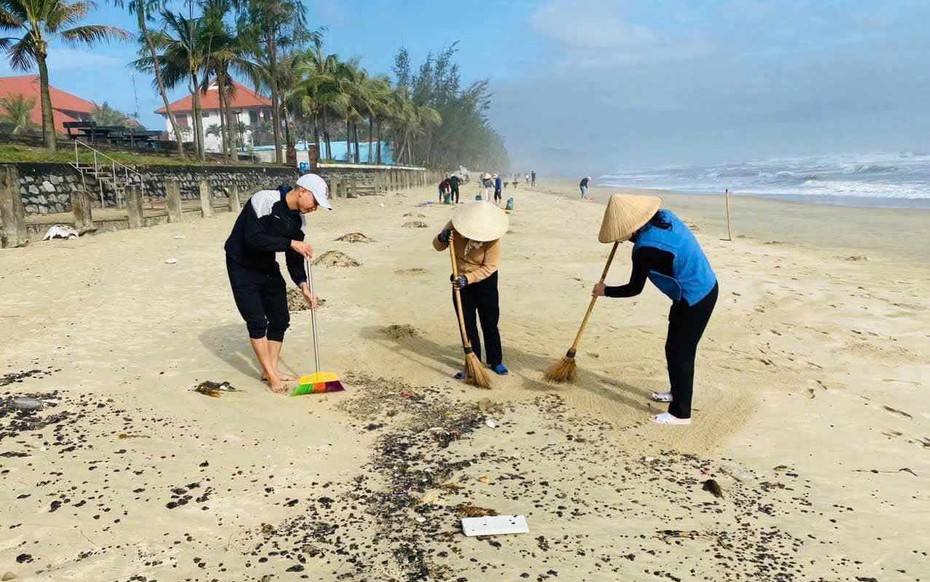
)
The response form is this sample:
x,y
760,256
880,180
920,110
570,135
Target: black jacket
x,y
267,226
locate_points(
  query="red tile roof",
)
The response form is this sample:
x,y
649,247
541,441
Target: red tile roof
x,y
243,98
62,102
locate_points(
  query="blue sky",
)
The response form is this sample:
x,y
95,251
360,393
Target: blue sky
x,y
595,85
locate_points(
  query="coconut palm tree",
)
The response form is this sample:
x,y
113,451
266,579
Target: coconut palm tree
x,y
40,21
378,93
17,112
180,55
144,11
106,115
321,96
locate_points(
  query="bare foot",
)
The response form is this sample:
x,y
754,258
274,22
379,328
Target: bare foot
x,y
281,376
278,386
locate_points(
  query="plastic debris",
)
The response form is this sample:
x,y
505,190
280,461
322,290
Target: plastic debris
x,y
60,231
171,261
494,525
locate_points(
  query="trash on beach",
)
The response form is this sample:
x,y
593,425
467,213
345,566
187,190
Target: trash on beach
x,y
213,389
490,423
414,215
415,224
178,236
713,487
60,231
26,403
494,525
464,510
857,258
171,261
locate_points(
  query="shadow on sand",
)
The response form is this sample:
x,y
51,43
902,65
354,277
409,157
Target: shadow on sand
x,y
446,359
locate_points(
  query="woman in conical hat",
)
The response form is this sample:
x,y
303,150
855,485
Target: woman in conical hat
x,y
666,252
476,229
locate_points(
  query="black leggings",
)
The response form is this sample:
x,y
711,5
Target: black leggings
x,y
261,298
455,193
482,299
497,195
686,324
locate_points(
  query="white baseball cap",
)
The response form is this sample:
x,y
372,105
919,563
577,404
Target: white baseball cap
x,y
317,186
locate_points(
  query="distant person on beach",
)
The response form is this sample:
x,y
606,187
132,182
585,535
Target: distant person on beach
x,y
476,229
527,178
498,188
272,222
444,188
584,187
666,252
533,178
454,187
487,183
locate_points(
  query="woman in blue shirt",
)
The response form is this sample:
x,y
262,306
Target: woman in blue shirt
x,y
666,252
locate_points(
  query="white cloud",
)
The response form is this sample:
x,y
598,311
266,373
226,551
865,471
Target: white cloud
x,y
594,33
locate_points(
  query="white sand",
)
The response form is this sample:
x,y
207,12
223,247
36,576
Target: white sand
x,y
813,375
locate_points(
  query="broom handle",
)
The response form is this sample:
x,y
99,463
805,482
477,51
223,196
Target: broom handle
x,y
316,343
466,345
587,315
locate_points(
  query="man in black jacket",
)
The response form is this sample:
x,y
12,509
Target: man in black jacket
x,y
272,222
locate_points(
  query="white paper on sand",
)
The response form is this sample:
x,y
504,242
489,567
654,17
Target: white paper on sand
x,y
494,525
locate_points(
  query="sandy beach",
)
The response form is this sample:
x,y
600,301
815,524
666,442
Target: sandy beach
x,y
812,410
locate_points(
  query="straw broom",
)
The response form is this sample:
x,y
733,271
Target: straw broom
x,y
475,374
566,370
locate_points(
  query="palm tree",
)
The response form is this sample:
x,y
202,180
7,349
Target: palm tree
x,y
273,26
144,10
378,92
40,21
106,115
180,56
321,95
223,52
17,111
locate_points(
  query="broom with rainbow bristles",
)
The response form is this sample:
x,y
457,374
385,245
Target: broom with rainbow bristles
x,y
318,382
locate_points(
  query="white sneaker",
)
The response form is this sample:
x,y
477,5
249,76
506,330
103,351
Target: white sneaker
x,y
662,396
666,418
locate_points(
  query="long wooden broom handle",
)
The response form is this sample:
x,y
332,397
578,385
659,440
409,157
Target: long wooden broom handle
x,y
587,315
458,297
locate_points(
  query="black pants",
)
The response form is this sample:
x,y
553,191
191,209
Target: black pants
x,y
497,195
686,325
261,298
482,299
455,192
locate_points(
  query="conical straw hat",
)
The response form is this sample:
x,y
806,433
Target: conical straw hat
x,y
480,221
625,215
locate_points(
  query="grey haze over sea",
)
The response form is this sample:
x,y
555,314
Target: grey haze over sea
x,y
900,180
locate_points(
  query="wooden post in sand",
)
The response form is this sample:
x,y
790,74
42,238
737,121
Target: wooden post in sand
x,y
206,199
12,213
235,206
81,209
729,226
173,200
134,206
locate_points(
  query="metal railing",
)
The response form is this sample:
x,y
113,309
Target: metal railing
x,y
103,162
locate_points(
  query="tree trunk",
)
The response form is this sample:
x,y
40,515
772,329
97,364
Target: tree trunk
x,y
224,133
275,98
48,120
378,146
198,119
358,153
371,138
329,145
316,136
232,124
140,15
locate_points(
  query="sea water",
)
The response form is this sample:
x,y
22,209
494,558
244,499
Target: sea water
x,y
896,180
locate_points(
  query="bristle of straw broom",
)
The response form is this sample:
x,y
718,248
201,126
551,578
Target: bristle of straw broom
x,y
475,373
565,370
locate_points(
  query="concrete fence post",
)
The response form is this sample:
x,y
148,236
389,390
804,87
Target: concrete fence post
x,y
173,200
12,213
235,206
206,199
133,197
81,208
353,189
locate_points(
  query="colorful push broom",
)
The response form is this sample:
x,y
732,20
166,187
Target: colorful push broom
x,y
317,382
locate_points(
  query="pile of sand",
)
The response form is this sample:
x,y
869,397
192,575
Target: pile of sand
x,y
414,215
335,259
355,237
401,331
415,224
296,301
411,272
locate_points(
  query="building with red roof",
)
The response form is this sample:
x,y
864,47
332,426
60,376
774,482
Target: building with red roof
x,y
65,106
249,108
